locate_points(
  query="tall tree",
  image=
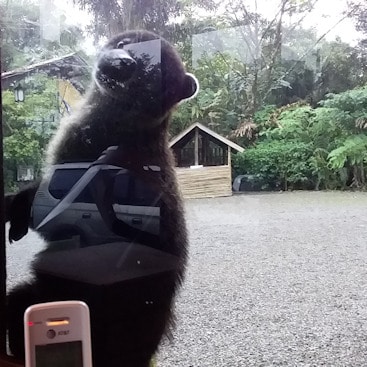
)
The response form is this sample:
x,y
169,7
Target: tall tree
x,y
111,17
265,41
21,35
342,68
358,12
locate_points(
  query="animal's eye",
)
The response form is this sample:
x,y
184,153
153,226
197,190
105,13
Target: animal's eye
x,y
124,42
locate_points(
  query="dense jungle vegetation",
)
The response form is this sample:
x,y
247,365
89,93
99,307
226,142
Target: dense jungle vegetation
x,y
295,99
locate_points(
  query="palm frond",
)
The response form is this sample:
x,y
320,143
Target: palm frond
x,y
361,122
246,128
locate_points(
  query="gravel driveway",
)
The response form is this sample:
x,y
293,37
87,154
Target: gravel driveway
x,y
273,280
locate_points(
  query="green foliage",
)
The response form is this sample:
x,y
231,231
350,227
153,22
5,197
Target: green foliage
x,y
262,116
354,102
28,125
324,146
222,100
343,68
353,150
23,147
349,113
278,164
245,63
292,124
326,176
261,81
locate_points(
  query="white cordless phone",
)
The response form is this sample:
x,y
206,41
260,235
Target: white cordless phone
x,y
57,334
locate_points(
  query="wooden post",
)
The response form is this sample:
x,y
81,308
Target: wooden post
x,y
196,142
229,156
204,150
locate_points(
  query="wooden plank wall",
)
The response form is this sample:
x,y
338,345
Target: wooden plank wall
x,y
205,182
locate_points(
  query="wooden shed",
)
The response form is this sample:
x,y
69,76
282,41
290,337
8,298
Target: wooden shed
x,y
203,162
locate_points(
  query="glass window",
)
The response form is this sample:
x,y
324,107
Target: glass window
x,y
144,194
63,180
121,189
270,158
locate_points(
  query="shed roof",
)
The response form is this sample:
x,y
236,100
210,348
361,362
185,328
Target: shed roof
x,y
68,66
212,133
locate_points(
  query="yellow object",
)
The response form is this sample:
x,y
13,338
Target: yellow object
x,y
69,96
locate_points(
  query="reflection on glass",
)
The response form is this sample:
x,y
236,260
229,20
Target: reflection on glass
x,y
131,198
282,80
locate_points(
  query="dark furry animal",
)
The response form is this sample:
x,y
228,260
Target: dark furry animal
x,y
139,78
18,211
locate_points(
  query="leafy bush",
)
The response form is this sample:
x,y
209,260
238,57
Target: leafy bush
x,y
277,164
28,126
305,147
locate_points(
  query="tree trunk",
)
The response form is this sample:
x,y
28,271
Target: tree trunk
x,y
285,182
317,185
355,181
277,52
363,177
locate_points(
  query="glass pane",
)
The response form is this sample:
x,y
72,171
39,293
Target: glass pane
x,y
62,181
121,189
125,181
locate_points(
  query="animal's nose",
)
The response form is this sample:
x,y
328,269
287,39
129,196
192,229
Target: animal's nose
x,y
117,64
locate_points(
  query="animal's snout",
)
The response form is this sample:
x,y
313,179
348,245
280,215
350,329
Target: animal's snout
x,y
117,64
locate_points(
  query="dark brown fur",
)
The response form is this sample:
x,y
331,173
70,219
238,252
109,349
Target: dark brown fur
x,y
18,210
129,318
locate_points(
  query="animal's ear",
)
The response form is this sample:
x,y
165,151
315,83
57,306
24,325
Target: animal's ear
x,y
190,87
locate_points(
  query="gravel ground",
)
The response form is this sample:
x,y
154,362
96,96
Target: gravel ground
x,y
273,280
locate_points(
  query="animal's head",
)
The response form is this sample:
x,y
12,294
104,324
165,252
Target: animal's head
x,y
143,74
